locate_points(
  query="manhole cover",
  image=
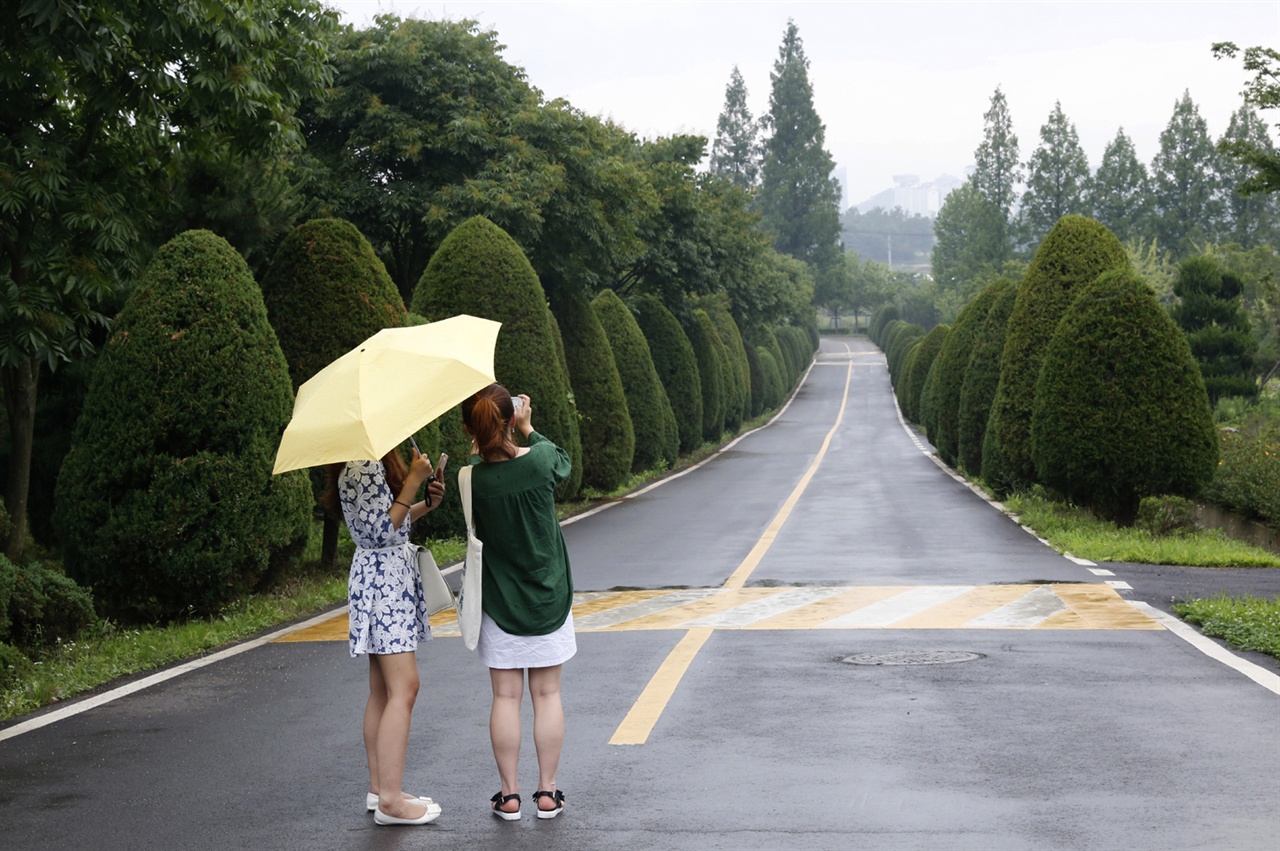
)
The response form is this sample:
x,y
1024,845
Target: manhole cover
x,y
913,657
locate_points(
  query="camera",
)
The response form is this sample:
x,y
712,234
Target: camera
x,y
517,402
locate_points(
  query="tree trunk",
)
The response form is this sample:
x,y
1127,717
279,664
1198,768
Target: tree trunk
x,y
19,384
329,543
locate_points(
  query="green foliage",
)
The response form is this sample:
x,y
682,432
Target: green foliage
x,y
166,502
758,381
735,154
981,376
40,606
997,171
884,315
1211,313
1263,91
1119,193
656,436
1250,218
941,400
1184,181
1249,623
918,373
711,370
14,666
900,342
1075,252
1247,479
1115,420
676,365
480,270
737,410
765,336
971,240
608,437
774,391
1166,515
1056,176
326,291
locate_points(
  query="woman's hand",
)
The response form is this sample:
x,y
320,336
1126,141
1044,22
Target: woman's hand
x,y
522,419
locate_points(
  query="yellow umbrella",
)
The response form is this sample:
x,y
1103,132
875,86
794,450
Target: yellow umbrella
x,y
385,389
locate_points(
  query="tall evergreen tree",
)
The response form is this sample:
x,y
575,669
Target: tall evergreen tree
x,y
798,196
1184,181
996,171
1056,176
1263,91
1119,193
735,154
1248,220
1210,312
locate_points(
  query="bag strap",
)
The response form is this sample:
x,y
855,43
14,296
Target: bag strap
x,y
464,490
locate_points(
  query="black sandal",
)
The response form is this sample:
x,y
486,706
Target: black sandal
x,y
556,796
500,800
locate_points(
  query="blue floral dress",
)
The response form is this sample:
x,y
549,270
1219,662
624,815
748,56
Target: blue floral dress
x,y
386,607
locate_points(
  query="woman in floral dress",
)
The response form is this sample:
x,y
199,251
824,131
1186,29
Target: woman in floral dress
x,y
388,615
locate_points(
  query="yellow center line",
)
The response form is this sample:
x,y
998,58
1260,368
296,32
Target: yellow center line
x,y
648,708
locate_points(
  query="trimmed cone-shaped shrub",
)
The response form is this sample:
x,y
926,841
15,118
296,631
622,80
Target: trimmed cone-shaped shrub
x,y
657,441
919,372
941,401
900,347
1210,312
326,292
1121,411
756,373
880,320
677,367
1076,251
739,366
608,437
766,337
166,502
981,377
702,336
773,387
480,270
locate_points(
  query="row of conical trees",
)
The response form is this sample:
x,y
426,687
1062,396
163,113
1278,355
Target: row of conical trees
x,y
1074,378
166,503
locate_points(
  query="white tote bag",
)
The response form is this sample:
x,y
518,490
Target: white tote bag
x,y
434,588
469,609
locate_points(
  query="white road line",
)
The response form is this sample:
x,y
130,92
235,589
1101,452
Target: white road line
x,y
1083,562
898,607
1026,611
155,679
1210,648
758,610
1119,585
1100,571
631,611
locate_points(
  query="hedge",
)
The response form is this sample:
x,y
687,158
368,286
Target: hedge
x,y
981,375
941,399
676,365
711,369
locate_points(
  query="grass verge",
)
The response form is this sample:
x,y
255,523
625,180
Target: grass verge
x,y
1250,623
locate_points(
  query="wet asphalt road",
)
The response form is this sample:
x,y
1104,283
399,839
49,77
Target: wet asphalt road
x,y
1050,739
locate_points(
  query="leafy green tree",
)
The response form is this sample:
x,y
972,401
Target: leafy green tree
x,y
102,98
677,367
1184,181
711,371
941,399
997,170
1249,219
1114,422
1056,177
480,270
426,126
735,153
1263,91
1210,313
1119,193
798,197
326,291
982,375
171,463
1076,251
970,239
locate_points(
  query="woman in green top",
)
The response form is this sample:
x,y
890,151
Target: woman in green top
x,y
527,587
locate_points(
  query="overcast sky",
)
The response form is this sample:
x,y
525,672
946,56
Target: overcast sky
x,y
901,86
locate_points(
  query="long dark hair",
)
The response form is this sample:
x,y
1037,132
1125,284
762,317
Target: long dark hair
x,y
397,472
487,416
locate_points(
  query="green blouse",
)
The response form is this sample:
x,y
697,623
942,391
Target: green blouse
x,y
527,584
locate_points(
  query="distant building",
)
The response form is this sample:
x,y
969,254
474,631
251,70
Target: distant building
x,y
916,198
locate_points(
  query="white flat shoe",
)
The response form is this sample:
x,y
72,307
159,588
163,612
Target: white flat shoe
x,y
371,801
430,814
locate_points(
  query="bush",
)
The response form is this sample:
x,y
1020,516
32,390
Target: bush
x,y
981,375
608,437
919,370
940,402
1247,479
657,440
758,380
480,270
711,369
1211,313
39,605
14,666
899,352
739,368
166,502
1076,251
1166,515
884,315
676,365
773,388
1114,421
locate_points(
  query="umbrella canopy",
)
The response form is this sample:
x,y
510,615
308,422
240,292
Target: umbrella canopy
x,y
385,389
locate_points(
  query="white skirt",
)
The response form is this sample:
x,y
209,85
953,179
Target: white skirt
x,y
499,649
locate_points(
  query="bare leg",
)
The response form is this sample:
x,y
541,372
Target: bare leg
x,y
504,727
400,673
548,727
373,718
